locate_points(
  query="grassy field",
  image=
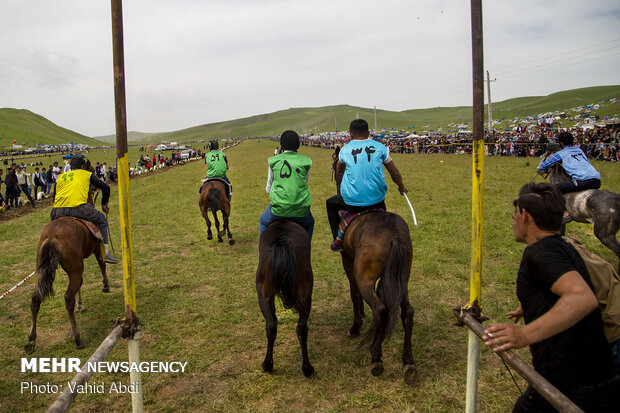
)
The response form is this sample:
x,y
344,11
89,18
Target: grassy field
x,y
197,298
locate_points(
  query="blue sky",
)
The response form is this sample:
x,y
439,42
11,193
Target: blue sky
x,y
191,62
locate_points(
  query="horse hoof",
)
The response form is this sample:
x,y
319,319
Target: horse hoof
x,y
267,367
354,332
409,373
209,237
231,242
308,371
29,348
376,368
80,309
106,289
79,344
220,240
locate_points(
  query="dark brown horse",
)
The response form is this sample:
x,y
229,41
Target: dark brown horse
x,y
284,269
213,198
66,242
600,208
377,246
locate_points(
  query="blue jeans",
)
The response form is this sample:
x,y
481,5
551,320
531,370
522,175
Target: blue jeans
x,y
268,217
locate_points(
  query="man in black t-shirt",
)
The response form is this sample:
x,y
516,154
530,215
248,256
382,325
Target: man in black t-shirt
x,y
563,325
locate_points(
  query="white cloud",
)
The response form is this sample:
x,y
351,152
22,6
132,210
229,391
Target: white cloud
x,y
194,62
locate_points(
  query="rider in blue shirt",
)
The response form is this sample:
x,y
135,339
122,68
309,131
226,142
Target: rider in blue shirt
x,y
363,186
576,165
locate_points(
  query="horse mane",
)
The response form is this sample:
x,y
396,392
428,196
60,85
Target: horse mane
x,y
556,172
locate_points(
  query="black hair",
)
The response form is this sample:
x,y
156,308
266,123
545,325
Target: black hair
x,y
566,138
358,127
544,202
289,140
213,145
76,163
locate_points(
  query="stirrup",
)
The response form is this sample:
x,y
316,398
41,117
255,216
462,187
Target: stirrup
x,y
336,246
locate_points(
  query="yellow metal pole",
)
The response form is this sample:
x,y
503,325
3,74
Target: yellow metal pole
x,y
477,199
131,310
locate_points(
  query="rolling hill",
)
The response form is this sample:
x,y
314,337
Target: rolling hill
x,y
29,128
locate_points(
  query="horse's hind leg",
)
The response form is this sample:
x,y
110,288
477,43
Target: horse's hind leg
x,y
206,217
35,305
302,335
101,262
380,316
406,316
605,230
217,227
75,282
268,308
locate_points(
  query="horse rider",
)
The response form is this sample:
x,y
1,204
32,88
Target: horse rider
x,y
575,163
217,165
287,185
363,184
71,199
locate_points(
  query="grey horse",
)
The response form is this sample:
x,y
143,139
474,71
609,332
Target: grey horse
x,y
600,208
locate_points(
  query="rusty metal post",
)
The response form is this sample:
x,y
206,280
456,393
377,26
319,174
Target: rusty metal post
x,y
538,382
123,196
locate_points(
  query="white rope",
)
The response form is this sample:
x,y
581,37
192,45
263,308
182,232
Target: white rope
x,y
16,285
415,221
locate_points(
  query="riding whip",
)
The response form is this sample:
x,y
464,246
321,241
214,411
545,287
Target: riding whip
x,y
415,221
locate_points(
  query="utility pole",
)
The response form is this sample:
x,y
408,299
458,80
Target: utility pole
x,y
375,119
491,134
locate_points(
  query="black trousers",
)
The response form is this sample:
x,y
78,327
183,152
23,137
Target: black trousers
x,y
336,203
576,186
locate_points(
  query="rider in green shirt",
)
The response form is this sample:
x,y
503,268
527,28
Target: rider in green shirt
x,y
287,186
217,165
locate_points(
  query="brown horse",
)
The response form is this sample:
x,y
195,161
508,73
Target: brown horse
x,y
66,242
377,246
284,269
213,198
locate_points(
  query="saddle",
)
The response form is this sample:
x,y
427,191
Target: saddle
x,y
94,229
226,185
347,217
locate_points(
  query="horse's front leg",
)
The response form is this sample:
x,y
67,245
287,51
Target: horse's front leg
x,y
406,317
99,256
231,241
78,303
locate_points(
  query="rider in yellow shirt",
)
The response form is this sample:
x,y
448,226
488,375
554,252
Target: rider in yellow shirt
x,y
71,199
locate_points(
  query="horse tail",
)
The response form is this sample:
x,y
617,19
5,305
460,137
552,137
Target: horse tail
x,y
49,258
284,271
213,196
392,287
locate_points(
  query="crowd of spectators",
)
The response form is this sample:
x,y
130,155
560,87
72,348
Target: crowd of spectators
x,y
599,143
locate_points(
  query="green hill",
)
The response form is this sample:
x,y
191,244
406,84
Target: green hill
x,y
28,129
331,118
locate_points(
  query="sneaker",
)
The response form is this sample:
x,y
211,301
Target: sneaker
x,y
110,259
336,246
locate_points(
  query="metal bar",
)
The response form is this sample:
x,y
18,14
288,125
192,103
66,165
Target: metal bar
x,y
65,398
477,197
538,382
123,195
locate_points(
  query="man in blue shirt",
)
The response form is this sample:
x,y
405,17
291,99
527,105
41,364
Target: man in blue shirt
x,y
576,165
363,184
